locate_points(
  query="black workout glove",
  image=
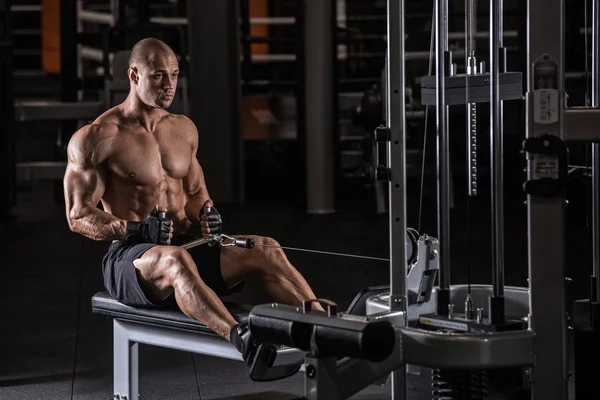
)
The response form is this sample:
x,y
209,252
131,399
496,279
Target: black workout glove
x,y
155,228
211,217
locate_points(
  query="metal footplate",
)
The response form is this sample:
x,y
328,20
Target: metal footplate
x,y
273,363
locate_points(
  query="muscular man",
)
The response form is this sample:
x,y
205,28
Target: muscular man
x,y
137,159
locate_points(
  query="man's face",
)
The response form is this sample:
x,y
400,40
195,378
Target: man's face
x,y
157,81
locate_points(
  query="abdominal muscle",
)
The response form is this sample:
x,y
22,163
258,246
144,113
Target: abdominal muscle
x,y
134,202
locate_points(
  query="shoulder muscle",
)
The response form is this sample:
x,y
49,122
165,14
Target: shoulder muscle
x,y
86,147
187,127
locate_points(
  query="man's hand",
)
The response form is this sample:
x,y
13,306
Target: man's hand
x,y
156,228
210,219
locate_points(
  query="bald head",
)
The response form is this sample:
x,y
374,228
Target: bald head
x,y
148,51
153,71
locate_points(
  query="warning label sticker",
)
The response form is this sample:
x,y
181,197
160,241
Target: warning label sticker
x,y
457,326
545,167
546,101
545,106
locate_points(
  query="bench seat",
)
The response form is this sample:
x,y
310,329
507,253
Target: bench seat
x,y
104,304
170,328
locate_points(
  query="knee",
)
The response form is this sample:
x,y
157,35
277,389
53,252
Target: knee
x,y
266,241
177,263
269,256
268,248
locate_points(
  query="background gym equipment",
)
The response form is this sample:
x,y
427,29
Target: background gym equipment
x,y
116,88
272,101
7,139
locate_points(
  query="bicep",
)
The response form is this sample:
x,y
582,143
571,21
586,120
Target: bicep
x,y
84,182
83,185
193,182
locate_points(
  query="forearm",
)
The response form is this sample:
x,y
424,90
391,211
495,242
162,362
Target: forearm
x,y
194,205
98,225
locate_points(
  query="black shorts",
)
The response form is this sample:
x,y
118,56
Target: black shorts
x,y
121,277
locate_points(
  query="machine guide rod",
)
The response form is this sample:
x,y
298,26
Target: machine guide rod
x,y
471,69
396,151
595,292
496,302
443,154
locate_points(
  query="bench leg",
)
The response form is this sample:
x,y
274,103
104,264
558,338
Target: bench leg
x,y
125,368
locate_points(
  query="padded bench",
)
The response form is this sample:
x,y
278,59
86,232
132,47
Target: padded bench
x,y
170,329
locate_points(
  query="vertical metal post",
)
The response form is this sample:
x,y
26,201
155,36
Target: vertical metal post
x,y
246,44
546,215
471,12
396,155
125,364
496,305
500,10
342,48
595,297
7,113
585,322
320,59
472,167
115,9
471,66
321,384
443,155
215,92
69,81
300,87
68,50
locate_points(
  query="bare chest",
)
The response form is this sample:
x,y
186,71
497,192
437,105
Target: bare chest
x,y
146,159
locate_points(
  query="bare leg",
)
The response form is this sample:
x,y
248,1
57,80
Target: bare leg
x,y
281,280
165,269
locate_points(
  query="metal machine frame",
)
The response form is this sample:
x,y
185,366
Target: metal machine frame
x,y
545,147
547,263
167,329
128,335
541,349
547,308
327,378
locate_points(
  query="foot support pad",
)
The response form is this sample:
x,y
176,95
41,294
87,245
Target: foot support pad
x,y
263,368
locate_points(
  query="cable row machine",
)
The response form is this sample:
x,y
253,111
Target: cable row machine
x,y
513,345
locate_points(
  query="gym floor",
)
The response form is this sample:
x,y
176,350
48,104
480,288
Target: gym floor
x,y
53,347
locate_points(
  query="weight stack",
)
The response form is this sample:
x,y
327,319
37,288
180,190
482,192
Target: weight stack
x,y
438,384
7,115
